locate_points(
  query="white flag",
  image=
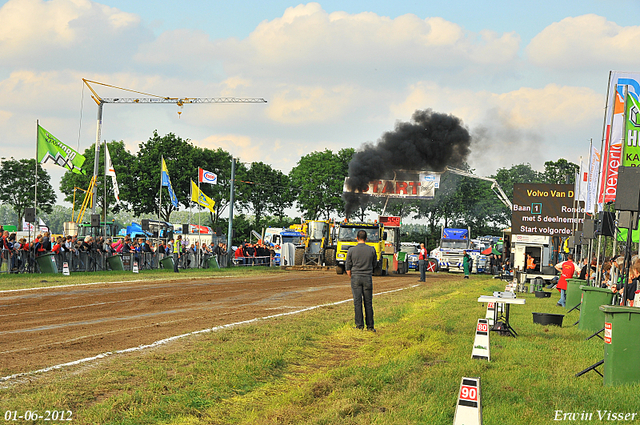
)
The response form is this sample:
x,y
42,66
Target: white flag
x,y
110,171
27,227
582,179
43,226
592,184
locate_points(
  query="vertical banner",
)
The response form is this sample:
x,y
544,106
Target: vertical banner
x,y
614,129
592,184
631,151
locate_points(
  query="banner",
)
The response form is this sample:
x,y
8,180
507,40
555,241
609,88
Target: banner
x,y
407,184
50,148
110,171
207,177
614,130
582,179
631,151
166,182
42,225
199,197
592,184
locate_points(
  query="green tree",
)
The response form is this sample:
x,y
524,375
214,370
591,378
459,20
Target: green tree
x,y
560,172
180,157
319,177
18,186
123,162
267,190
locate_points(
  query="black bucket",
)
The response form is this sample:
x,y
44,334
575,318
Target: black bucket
x,y
542,294
548,319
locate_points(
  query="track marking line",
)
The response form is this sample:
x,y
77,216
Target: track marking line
x,y
177,337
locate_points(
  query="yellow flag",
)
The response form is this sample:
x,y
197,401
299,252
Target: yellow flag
x,y
200,198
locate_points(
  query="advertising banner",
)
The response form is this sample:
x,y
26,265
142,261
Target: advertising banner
x,y
416,185
545,209
614,129
631,150
592,184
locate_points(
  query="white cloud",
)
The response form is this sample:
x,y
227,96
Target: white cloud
x,y
585,42
524,125
58,34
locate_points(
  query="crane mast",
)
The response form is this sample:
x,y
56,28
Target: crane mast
x,y
494,185
148,99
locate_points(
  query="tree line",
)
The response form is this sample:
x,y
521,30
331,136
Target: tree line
x,y
263,194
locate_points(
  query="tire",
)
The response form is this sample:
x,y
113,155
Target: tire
x,y
330,257
377,271
298,259
340,269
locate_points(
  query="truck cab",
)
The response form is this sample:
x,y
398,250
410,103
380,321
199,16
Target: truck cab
x,y
346,239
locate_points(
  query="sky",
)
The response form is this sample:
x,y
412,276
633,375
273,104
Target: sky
x,y
528,79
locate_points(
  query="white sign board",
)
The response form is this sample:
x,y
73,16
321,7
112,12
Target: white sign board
x,y
65,269
468,407
481,341
135,267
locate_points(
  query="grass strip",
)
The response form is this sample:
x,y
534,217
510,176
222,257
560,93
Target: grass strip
x,y
314,368
43,280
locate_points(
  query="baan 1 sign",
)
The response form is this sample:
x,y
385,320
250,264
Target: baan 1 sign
x,y
405,184
545,209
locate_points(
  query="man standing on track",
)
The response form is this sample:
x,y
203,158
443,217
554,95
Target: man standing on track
x,y
361,260
422,263
177,246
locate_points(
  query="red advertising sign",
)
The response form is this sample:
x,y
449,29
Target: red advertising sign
x,y
390,221
607,333
483,327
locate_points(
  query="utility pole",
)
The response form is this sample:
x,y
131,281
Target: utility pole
x,y
231,200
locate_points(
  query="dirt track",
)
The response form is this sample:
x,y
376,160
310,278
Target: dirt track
x,y
45,327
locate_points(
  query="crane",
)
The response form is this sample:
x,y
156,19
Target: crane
x,y
494,185
149,99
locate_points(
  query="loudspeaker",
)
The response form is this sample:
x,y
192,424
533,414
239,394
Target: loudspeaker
x,y
30,215
606,224
145,224
628,220
95,220
185,229
628,191
588,228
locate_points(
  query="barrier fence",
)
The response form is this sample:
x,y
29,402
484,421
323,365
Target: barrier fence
x,y
81,261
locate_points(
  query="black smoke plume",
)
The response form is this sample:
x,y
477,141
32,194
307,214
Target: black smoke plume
x,y
430,142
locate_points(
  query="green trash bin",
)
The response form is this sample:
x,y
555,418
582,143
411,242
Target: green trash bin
x,y
574,293
213,263
591,318
115,262
621,344
167,262
47,263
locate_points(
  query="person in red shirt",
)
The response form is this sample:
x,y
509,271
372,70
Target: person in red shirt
x,y
422,257
568,270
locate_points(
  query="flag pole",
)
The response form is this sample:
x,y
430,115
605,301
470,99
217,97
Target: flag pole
x,y
160,201
199,210
35,189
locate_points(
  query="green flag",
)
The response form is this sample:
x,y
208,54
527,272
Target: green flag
x,y
631,152
50,148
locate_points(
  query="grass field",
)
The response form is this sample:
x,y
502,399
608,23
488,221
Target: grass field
x,y
22,281
313,368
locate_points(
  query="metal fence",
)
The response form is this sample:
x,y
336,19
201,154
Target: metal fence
x,y
81,261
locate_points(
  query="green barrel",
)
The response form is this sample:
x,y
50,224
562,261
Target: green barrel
x,y
621,344
47,263
573,293
591,318
115,262
167,263
213,262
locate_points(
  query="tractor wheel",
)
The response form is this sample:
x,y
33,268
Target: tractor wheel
x,y
340,269
377,271
299,258
330,257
